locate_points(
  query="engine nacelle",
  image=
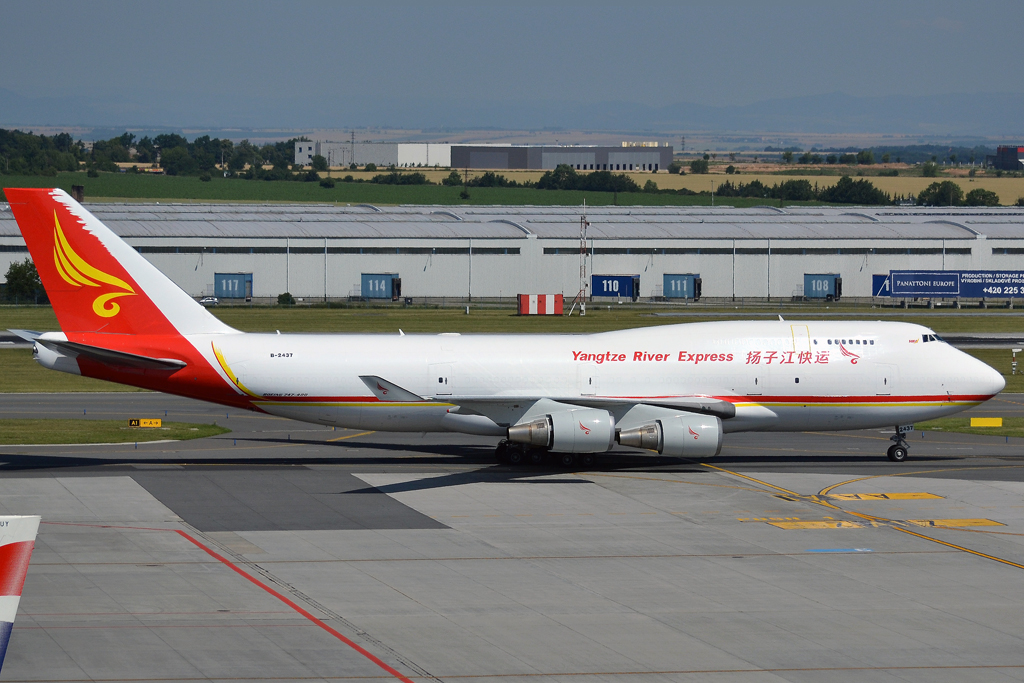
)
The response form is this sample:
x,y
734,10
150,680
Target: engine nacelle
x,y
577,430
691,436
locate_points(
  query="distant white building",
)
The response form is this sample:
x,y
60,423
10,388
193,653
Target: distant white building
x,y
384,154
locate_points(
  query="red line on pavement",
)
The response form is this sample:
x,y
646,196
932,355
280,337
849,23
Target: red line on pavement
x,y
238,570
334,632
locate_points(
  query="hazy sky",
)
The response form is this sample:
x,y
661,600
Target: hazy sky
x,y
233,62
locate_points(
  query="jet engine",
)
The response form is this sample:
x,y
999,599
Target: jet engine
x,y
690,436
576,430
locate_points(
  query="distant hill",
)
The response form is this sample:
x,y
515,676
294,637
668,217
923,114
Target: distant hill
x,y
960,115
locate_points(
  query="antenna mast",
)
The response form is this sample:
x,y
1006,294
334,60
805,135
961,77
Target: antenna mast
x,y
581,296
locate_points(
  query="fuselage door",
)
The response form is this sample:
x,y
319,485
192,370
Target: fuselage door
x,y
757,382
801,338
441,379
885,377
587,375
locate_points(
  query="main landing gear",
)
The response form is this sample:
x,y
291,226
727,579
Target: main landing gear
x,y
899,449
512,453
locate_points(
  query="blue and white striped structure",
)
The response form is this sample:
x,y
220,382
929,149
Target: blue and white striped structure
x,y
17,538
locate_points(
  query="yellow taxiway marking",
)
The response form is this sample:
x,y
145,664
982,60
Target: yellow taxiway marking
x,y
756,481
818,524
910,495
955,522
960,547
888,523
350,436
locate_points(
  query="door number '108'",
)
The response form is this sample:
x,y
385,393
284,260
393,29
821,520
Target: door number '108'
x,y
280,355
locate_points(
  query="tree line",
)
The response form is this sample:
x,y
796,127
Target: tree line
x,y
910,154
30,154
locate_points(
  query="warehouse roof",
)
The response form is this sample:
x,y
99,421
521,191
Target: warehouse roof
x,y
248,221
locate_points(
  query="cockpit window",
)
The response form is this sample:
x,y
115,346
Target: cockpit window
x,y
931,338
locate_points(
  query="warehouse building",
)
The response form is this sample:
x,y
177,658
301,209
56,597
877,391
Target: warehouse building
x,y
643,156
383,154
629,156
318,251
1007,158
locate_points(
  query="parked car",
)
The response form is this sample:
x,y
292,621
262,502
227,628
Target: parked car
x,y
209,301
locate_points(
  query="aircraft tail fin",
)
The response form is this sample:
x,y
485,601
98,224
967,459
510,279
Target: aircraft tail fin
x,y
95,281
17,538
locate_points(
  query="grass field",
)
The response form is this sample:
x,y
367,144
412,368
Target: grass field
x,y
1012,426
114,186
20,374
44,431
1008,189
117,186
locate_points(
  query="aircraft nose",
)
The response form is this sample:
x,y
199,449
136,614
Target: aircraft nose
x,y
985,380
993,381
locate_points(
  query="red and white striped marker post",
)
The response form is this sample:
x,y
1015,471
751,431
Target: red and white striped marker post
x,y
540,304
17,538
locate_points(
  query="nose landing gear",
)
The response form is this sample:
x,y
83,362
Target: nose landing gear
x,y
899,449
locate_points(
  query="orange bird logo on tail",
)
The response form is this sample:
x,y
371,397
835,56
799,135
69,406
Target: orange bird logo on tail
x,y
75,271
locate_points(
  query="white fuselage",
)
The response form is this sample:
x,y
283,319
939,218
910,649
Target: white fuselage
x,y
780,376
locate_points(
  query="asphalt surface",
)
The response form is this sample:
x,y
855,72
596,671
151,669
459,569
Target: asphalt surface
x,y
284,551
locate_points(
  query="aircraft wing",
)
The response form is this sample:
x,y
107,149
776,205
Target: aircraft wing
x,y
510,410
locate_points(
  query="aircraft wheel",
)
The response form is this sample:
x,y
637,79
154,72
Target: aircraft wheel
x,y
588,459
515,455
896,453
537,457
567,459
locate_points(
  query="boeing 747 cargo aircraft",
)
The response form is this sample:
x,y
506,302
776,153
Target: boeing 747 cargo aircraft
x,y
674,389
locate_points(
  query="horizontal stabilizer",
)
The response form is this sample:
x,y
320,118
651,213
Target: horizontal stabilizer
x,y
27,335
388,391
111,357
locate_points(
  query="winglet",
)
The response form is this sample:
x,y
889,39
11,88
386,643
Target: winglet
x,y
17,538
388,391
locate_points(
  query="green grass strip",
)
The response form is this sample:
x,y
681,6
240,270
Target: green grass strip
x,y
119,186
47,431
